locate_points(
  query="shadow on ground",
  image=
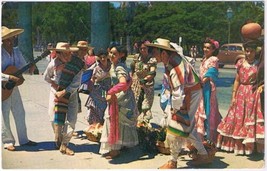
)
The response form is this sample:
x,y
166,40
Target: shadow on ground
x,y
132,154
217,163
50,145
256,157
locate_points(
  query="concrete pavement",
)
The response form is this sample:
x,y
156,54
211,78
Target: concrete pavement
x,y
35,93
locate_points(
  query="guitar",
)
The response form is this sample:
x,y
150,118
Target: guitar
x,y
7,86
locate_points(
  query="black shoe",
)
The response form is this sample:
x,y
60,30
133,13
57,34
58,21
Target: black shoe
x,y
30,143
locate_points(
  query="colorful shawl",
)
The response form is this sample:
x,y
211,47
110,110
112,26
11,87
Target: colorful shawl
x,y
71,69
213,74
114,111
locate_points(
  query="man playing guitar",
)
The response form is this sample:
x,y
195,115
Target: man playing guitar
x,y
12,57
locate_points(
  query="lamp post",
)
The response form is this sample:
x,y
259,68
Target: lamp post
x,y
229,16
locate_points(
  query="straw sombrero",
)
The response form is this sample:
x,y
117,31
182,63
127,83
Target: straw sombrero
x,y
64,46
162,44
7,33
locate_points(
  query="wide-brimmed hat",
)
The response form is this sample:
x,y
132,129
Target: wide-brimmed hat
x,y
83,44
64,46
7,33
162,44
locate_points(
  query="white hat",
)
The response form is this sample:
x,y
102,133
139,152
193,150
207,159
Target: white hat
x,y
161,43
64,46
7,33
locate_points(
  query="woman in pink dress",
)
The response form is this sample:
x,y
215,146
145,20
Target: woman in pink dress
x,y
243,126
208,116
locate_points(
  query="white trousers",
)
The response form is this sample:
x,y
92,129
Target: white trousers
x,y
14,105
176,143
71,117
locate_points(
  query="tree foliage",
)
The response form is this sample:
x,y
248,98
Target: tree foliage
x,y
62,21
193,21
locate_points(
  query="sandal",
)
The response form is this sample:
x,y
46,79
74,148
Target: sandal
x,y
10,148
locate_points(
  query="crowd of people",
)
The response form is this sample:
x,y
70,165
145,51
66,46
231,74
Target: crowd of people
x,y
119,99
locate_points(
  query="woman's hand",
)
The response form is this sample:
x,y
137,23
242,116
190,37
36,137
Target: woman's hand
x,y
108,98
233,100
205,80
260,88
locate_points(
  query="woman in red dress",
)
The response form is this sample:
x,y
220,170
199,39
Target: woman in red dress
x,y
243,127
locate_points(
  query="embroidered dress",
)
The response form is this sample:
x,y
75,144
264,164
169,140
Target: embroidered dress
x,y
253,128
144,95
96,102
208,116
244,121
127,114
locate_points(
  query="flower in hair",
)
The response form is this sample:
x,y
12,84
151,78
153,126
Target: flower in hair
x,y
215,43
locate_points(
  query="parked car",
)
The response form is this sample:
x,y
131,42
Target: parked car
x,y
230,53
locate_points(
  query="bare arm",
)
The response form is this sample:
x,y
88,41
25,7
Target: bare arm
x,y
235,87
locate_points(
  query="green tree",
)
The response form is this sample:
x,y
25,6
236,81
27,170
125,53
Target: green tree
x,y
193,21
62,21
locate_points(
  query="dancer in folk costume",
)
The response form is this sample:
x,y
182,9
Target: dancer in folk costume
x,y
208,116
119,129
143,72
82,54
186,93
243,126
64,75
98,86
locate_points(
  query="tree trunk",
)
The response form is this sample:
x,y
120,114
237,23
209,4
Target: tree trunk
x,y
100,27
25,22
25,39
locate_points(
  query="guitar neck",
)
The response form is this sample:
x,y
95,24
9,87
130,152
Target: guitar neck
x,y
26,67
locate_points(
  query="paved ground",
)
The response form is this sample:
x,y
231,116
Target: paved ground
x,y
35,94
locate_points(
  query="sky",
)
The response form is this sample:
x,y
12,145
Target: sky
x,y
116,4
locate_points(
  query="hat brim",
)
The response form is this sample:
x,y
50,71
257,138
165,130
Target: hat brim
x,y
72,49
160,46
12,33
88,47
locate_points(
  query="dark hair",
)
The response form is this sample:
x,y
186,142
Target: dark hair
x,y
100,51
139,44
113,44
122,49
212,42
252,44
